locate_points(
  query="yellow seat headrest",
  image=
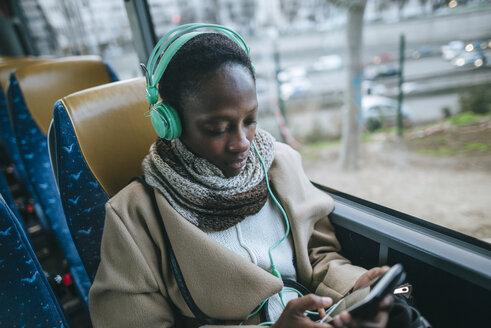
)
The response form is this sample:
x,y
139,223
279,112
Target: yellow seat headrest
x,y
9,64
111,128
44,83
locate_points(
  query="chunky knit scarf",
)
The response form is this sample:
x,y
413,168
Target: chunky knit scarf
x,y
200,192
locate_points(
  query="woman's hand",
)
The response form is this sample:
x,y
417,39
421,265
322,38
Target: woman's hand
x,y
294,313
366,278
345,320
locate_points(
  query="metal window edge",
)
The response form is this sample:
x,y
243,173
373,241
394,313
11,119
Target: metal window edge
x,y
469,263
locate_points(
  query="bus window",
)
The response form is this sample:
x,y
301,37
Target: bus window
x,y
435,162
101,28
386,100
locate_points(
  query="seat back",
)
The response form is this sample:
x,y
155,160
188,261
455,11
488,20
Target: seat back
x,y
31,94
7,137
26,298
7,196
101,138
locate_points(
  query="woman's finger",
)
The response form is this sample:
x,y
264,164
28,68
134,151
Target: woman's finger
x,y
308,302
322,312
387,303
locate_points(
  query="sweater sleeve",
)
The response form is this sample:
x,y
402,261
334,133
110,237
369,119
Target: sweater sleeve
x,y
125,292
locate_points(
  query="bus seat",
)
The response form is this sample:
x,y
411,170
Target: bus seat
x,y
7,196
31,94
7,137
26,298
101,138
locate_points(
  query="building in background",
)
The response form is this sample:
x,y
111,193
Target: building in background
x,y
100,26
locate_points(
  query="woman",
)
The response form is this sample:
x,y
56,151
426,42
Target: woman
x,y
211,193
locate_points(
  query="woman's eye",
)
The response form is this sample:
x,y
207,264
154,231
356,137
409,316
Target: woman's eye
x,y
250,122
216,131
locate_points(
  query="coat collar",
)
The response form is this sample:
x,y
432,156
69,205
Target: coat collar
x,y
223,284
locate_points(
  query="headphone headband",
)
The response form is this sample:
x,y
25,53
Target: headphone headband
x,y
170,45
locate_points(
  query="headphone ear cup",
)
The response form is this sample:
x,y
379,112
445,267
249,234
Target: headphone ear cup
x,y
165,121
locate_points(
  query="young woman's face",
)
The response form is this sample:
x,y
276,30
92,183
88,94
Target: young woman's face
x,y
219,120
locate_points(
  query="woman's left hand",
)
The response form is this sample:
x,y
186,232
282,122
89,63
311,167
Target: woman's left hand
x,y
366,278
345,320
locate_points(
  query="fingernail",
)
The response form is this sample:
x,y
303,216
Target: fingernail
x,y
326,299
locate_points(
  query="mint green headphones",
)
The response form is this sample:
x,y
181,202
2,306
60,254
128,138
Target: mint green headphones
x,y
164,117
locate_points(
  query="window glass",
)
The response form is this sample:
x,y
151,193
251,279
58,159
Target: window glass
x,y
83,27
440,168
332,78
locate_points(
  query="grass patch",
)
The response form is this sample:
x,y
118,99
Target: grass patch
x,y
442,151
323,144
312,150
310,157
465,118
366,137
450,142
478,146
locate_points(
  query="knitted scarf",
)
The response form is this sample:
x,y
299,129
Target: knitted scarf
x,y
200,192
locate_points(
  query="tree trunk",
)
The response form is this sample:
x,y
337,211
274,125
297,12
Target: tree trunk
x,y
352,125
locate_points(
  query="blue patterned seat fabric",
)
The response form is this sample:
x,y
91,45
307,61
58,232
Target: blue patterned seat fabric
x,y
82,197
26,299
7,136
7,196
34,153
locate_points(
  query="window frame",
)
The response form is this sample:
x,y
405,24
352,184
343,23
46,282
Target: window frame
x,y
465,257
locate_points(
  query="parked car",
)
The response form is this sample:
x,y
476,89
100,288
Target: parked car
x,y
381,71
476,45
327,63
369,87
452,49
292,73
378,111
424,51
473,58
382,58
294,88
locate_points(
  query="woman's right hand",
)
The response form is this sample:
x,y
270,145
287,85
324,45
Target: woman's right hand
x,y
294,313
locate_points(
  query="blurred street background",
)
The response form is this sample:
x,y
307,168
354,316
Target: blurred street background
x,y
428,59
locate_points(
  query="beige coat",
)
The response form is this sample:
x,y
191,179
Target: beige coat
x,y
134,286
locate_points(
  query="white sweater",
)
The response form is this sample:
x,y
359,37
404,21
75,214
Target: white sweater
x,y
252,239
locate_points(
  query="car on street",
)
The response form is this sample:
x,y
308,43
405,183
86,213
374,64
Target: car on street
x,y
327,63
452,49
470,59
378,111
294,88
380,71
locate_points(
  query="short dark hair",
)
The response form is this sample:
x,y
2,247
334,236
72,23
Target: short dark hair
x,y
196,60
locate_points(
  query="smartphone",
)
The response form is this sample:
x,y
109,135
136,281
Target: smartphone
x,y
380,288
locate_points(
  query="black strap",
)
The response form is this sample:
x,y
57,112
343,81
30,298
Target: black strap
x,y
292,284
176,270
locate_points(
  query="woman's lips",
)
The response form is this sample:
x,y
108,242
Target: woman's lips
x,y
238,163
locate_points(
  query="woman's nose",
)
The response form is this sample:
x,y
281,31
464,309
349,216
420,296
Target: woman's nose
x,y
239,142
